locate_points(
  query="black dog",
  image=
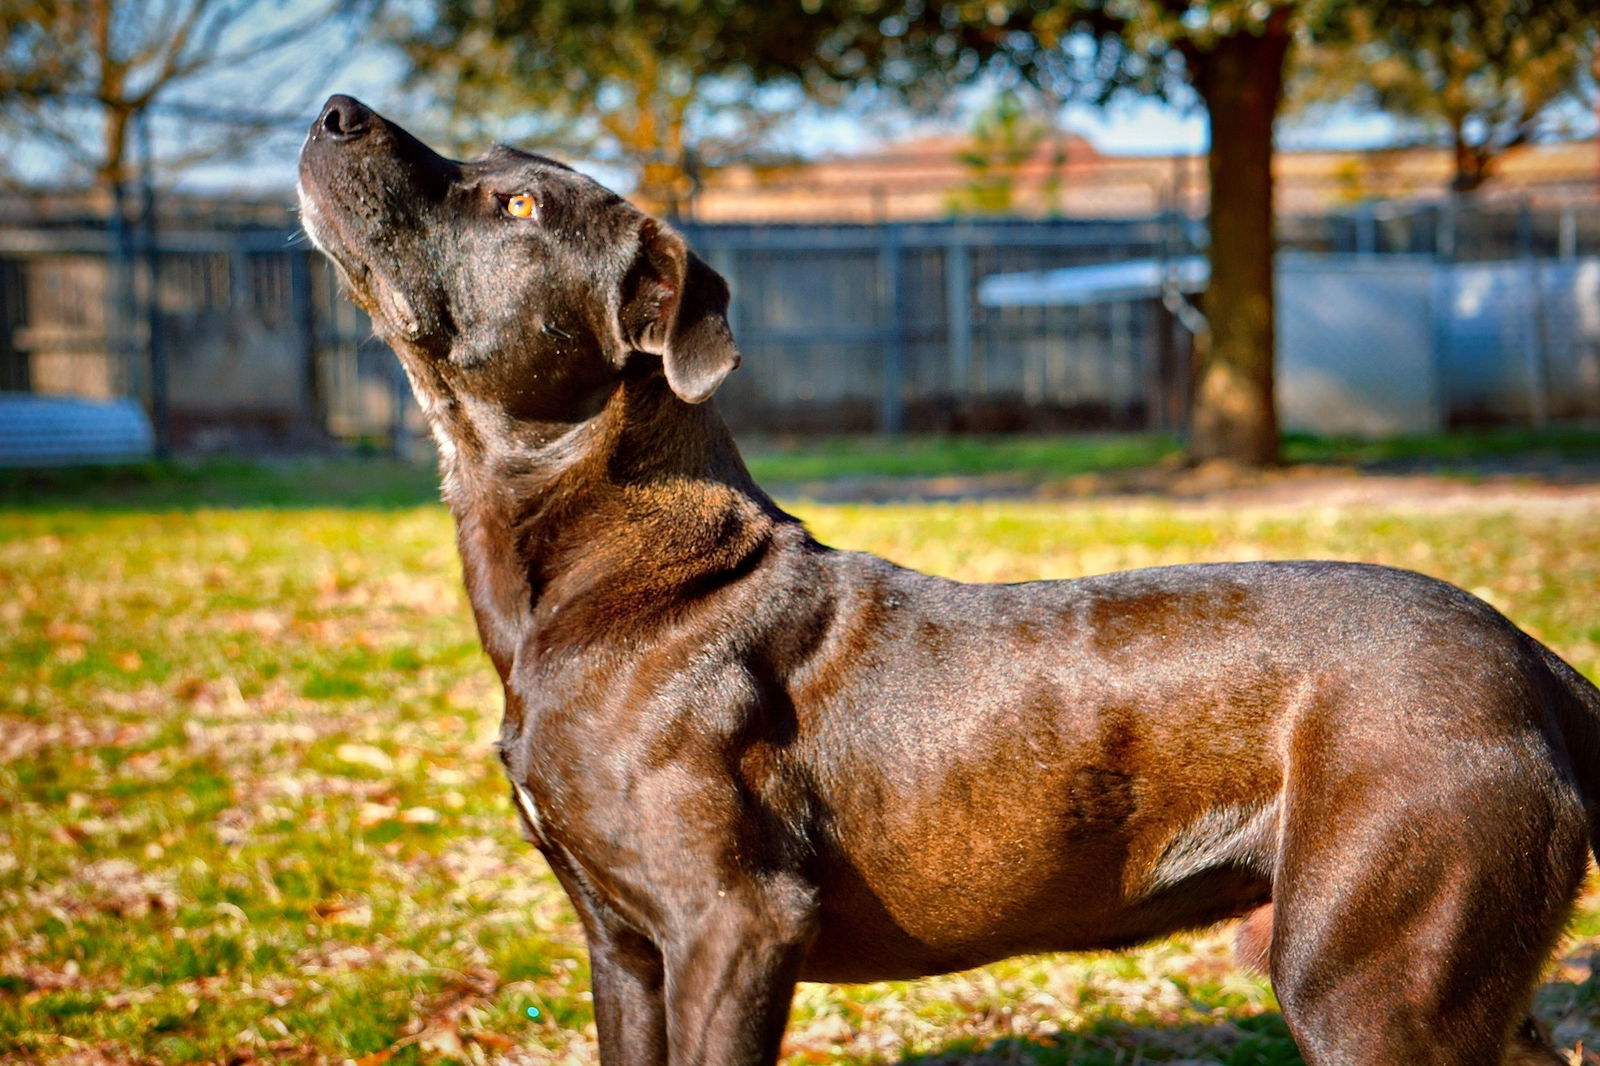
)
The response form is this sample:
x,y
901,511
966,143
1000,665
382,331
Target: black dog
x,y
752,760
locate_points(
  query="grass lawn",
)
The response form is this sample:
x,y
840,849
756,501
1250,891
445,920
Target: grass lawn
x,y
1053,458
248,809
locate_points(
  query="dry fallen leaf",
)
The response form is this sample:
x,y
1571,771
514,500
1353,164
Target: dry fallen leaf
x,y
377,1058
365,755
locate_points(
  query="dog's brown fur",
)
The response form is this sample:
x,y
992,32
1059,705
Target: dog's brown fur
x,y
752,760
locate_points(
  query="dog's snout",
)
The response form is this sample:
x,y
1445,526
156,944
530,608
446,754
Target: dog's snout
x,y
343,118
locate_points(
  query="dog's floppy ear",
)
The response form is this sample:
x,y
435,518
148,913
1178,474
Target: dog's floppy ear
x,y
675,306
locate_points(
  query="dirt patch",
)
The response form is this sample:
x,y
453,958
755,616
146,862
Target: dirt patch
x,y
1575,486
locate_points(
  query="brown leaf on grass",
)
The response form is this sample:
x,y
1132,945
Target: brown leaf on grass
x,y
44,979
110,1055
338,910
327,909
491,1039
443,1040
443,1014
190,689
819,1037
63,632
373,758
131,996
24,737
114,886
68,835
439,1029
469,986
261,622
334,956
372,814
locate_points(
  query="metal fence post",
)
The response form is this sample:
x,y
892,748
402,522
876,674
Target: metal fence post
x,y
1534,338
958,311
155,350
302,313
123,306
891,406
400,392
1367,232
725,261
1444,239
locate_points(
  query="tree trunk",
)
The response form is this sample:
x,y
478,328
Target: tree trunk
x,y
1241,81
1472,164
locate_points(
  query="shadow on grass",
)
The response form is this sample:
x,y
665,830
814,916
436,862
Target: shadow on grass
x,y
1256,1040
1565,453
1259,1040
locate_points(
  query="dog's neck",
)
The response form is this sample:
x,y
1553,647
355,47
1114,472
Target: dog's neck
x,y
628,513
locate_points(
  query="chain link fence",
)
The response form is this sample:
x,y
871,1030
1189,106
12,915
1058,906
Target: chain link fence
x,y
228,327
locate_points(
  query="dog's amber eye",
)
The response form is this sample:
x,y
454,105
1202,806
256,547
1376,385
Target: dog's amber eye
x,y
521,206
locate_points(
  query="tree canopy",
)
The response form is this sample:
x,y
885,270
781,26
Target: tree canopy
x,y
644,88
1485,76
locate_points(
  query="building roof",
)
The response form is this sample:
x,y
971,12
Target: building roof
x,y
930,178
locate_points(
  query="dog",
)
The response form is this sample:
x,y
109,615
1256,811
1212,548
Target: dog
x,y
753,760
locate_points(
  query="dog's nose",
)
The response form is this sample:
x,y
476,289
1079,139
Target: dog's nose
x,y
343,118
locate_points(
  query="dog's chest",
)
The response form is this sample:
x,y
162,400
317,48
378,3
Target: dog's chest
x,y
566,784
533,826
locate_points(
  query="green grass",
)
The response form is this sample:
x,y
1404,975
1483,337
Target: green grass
x,y
1517,446
223,483
1048,458
837,457
385,484
249,810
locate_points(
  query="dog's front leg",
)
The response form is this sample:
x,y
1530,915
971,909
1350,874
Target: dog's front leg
x,y
731,973
629,1015
626,980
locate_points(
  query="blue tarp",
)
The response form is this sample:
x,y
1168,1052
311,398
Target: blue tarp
x,y
1135,279
38,430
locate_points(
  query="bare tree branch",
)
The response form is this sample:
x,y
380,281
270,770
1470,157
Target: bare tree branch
x,y
79,75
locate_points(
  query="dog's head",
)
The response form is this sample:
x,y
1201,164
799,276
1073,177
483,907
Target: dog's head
x,y
510,280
